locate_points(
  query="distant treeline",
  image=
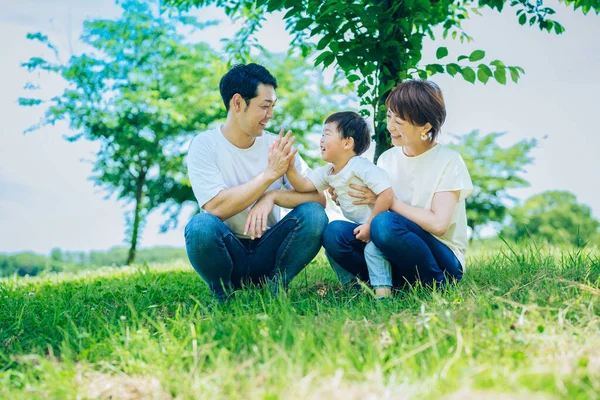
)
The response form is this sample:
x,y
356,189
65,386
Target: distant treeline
x,y
28,263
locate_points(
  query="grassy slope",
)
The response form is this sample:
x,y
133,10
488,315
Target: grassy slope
x,y
517,324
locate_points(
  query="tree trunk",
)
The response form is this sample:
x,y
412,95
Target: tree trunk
x,y
382,137
139,196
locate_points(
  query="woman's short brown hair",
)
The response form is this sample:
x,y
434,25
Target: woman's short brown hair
x,y
419,102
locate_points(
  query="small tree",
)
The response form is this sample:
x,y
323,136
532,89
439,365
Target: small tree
x,y
140,92
555,217
494,171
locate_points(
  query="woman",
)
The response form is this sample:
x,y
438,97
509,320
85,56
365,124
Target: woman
x,y
424,235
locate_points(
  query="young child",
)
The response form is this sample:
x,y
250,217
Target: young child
x,y
345,137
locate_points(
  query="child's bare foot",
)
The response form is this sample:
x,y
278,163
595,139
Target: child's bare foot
x,y
383,292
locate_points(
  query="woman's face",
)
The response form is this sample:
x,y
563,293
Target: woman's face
x,y
403,133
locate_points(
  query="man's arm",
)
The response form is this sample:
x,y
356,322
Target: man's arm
x,y
291,198
231,201
256,222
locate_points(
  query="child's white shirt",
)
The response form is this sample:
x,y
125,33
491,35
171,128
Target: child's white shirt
x,y
358,171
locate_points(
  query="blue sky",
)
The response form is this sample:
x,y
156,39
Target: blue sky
x,y
46,199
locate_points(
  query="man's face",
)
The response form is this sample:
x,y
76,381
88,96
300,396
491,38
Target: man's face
x,y
253,117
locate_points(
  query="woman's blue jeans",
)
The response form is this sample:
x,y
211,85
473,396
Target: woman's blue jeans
x,y
225,262
400,252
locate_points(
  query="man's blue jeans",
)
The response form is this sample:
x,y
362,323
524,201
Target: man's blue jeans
x,y
413,253
225,262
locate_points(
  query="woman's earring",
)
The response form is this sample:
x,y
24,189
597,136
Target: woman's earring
x,y
425,137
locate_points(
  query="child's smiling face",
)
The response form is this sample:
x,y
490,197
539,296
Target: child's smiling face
x,y
333,145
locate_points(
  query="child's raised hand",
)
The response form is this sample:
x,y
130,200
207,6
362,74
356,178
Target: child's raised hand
x,y
363,233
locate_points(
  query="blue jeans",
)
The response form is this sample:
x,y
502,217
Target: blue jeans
x,y
225,262
413,254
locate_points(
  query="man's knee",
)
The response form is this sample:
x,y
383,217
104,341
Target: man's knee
x,y
312,216
203,228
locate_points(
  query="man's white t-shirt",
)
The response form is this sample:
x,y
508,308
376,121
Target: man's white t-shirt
x,y
416,179
214,164
358,171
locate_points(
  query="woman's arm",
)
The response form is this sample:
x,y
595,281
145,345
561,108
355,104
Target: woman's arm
x,y
435,221
382,204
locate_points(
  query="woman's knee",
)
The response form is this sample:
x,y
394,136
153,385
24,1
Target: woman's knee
x,y
382,228
334,235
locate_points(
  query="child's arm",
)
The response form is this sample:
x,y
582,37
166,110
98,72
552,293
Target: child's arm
x,y
300,183
382,204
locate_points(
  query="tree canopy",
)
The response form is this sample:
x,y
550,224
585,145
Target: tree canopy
x,y
494,171
379,43
554,217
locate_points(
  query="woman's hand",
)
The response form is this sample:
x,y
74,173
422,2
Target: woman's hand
x,y
363,194
256,222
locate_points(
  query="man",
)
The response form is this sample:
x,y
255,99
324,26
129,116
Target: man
x,y
237,172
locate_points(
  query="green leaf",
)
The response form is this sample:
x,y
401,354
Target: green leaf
x,y
500,75
477,55
324,42
487,70
558,28
462,58
523,19
482,75
434,69
441,52
498,64
321,57
328,60
302,24
468,74
514,74
353,78
453,69
532,20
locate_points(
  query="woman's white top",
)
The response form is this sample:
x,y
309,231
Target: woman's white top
x,y
416,179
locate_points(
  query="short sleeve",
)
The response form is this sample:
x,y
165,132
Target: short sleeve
x,y
319,177
456,178
302,167
205,176
374,177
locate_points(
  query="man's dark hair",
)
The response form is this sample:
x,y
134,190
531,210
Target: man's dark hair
x,y
419,102
352,125
244,80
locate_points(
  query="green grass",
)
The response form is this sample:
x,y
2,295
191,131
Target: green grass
x,y
521,324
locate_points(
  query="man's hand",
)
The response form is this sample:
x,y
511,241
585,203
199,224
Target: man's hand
x,y
280,154
256,223
363,233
